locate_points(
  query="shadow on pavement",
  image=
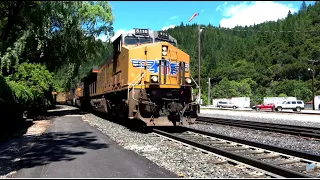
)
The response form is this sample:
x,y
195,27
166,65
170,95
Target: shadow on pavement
x,y
14,131
55,107
50,147
58,113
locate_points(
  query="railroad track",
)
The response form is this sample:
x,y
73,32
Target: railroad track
x,y
270,159
254,111
311,132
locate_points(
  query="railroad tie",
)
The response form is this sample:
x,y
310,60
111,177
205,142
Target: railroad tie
x,y
251,152
286,161
267,156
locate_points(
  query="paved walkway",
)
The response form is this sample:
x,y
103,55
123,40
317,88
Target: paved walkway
x,y
69,148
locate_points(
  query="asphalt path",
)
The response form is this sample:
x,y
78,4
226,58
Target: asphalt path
x,y
70,148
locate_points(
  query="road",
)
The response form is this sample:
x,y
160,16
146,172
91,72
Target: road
x,y
69,148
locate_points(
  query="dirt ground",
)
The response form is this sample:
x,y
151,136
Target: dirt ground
x,y
18,145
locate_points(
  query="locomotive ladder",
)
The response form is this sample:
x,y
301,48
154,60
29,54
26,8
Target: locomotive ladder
x,y
136,80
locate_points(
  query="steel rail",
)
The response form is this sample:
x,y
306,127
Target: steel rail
x,y
240,158
304,131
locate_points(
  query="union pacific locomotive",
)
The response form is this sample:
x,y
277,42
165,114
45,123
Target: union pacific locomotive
x,y
148,78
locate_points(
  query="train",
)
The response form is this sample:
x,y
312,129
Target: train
x,y
147,79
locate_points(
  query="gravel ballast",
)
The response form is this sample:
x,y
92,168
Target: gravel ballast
x,y
276,139
268,117
265,137
183,160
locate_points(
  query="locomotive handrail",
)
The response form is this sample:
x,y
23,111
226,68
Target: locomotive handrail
x,y
194,81
135,83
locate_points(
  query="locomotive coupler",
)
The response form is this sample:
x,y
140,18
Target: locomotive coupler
x,y
174,109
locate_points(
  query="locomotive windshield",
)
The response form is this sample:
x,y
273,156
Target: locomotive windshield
x,y
165,40
131,40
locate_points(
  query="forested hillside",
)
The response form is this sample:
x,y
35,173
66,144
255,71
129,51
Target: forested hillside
x,y
268,59
43,47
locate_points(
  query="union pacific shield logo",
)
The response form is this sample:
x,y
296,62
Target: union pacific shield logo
x,y
153,66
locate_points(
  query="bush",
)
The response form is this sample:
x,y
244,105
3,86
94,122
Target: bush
x,y
28,88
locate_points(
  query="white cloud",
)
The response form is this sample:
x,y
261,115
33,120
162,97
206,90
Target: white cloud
x,y
168,27
202,10
173,17
221,7
256,12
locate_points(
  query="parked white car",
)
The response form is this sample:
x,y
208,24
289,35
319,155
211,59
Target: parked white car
x,y
294,105
224,104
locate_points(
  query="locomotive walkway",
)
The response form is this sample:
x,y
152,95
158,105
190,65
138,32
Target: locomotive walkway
x,y
69,148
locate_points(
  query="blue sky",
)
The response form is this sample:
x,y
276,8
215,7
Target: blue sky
x,y
159,15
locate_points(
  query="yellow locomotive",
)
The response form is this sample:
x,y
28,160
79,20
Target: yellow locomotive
x,y
148,78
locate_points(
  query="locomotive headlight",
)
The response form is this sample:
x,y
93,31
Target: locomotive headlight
x,y
188,80
164,50
154,79
164,53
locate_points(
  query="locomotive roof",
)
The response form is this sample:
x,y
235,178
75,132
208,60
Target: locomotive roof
x,y
153,34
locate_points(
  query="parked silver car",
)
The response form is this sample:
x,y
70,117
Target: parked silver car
x,y
224,104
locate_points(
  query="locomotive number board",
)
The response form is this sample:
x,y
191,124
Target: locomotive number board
x,y
163,34
141,32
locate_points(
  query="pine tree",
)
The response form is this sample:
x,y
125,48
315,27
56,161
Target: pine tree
x,y
303,7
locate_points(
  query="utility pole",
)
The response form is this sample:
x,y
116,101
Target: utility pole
x,y
199,56
209,87
313,73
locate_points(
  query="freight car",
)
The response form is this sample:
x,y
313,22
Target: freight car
x,y
148,78
74,96
60,97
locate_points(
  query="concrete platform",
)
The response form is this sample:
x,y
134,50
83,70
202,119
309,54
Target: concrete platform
x,y
69,148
